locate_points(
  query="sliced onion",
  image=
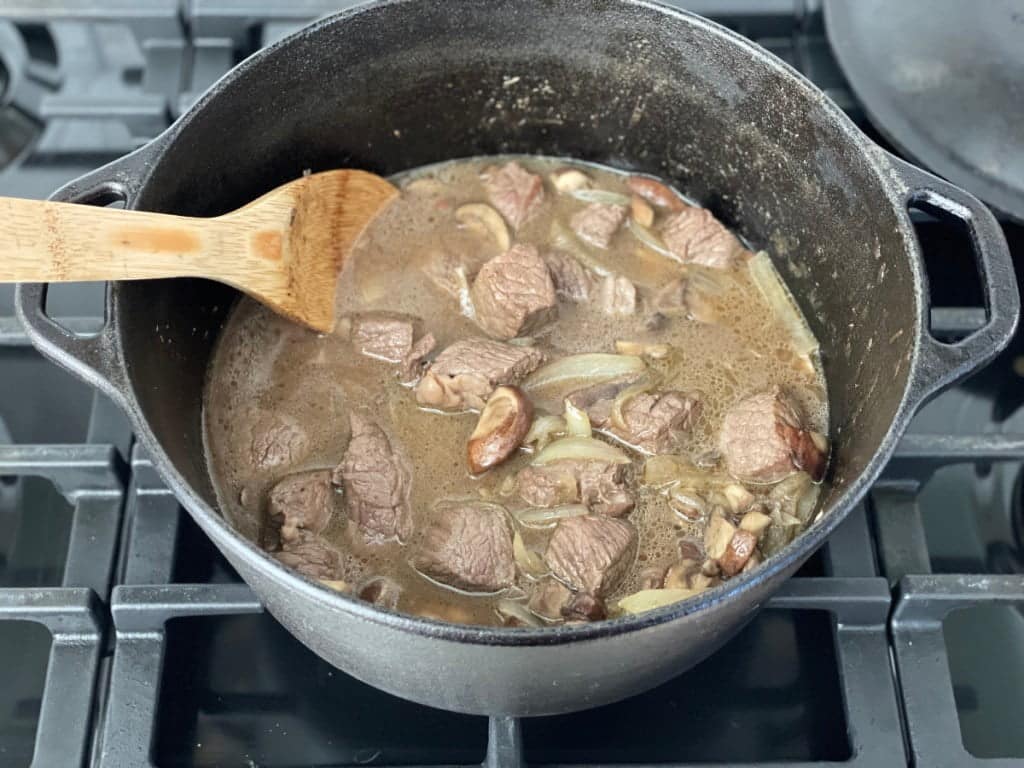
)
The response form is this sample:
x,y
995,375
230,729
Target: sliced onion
x,y
543,430
581,449
537,517
600,196
622,399
517,611
649,599
650,240
775,292
590,368
564,240
465,299
529,562
577,423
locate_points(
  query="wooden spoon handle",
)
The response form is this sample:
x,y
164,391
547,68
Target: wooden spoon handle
x,y
42,241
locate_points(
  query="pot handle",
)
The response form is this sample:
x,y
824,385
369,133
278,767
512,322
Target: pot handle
x,y
943,364
95,358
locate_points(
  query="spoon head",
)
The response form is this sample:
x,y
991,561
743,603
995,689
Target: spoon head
x,y
299,236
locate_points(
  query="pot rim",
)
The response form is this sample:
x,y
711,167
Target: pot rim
x,y
224,534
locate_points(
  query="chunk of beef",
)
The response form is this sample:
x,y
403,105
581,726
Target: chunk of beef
x,y
465,374
277,441
763,440
382,592
415,358
302,502
549,597
601,486
514,191
653,420
583,606
591,554
616,295
376,480
697,237
597,223
310,555
468,545
513,293
383,335
573,281
597,400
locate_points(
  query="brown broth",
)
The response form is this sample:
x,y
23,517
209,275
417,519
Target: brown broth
x,y
265,364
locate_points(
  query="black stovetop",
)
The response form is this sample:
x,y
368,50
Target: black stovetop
x,y
127,640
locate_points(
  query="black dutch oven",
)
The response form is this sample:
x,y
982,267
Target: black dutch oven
x,y
393,85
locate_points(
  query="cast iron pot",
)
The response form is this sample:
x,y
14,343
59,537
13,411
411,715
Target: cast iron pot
x,y
394,85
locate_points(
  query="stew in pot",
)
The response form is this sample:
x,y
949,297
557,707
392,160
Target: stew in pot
x,y
556,393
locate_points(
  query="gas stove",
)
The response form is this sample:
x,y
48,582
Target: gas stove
x,y
128,641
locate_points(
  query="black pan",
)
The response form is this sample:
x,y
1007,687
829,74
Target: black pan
x,y
394,85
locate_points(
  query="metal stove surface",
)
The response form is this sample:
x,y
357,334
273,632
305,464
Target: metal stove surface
x,y
134,644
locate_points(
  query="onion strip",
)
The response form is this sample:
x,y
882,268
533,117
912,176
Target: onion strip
x,y
582,449
577,422
529,562
603,196
539,517
768,280
590,368
513,610
543,430
650,240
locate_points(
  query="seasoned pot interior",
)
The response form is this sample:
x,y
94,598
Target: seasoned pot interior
x,y
400,85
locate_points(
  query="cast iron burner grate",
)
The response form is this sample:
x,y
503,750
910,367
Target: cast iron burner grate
x,y
160,656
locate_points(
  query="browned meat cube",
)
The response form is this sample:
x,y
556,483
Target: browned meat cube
x,y
653,420
513,293
582,606
383,335
311,556
465,374
514,191
376,480
412,363
597,223
277,440
601,486
468,545
616,295
591,554
763,440
572,280
302,502
697,237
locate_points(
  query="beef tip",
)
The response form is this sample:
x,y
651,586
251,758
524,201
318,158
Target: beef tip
x,y
591,554
383,335
652,421
548,598
696,237
413,362
601,486
616,295
582,606
468,545
597,400
465,374
382,592
514,191
311,556
376,480
763,440
597,223
513,293
277,440
573,281
302,502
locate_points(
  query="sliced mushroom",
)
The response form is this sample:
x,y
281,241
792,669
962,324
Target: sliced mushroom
x,y
738,497
504,422
569,180
737,553
641,212
717,536
652,577
680,575
485,221
756,522
655,193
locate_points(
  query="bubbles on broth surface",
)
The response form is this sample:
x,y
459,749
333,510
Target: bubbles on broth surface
x,y
265,365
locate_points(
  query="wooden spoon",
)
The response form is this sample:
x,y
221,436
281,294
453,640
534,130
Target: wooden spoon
x,y
284,249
